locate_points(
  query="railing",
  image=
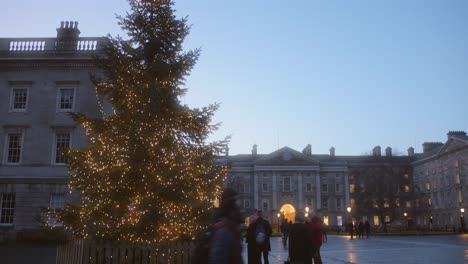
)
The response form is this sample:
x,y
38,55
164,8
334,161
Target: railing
x,y
34,45
112,252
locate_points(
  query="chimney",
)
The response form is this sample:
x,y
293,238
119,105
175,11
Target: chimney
x,y
388,152
411,151
307,150
455,133
376,152
429,146
332,152
254,150
67,36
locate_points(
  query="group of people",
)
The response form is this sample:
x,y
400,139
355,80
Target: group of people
x,y
360,229
305,237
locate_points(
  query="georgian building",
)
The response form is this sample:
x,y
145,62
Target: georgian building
x,y
42,80
405,191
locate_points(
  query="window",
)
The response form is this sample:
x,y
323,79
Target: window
x,y
309,202
338,203
325,188
61,146
363,187
386,203
265,187
265,205
66,98
428,186
337,187
397,202
351,188
325,203
352,202
246,187
19,99
246,204
376,220
7,208
407,188
308,187
57,201
387,219
14,147
325,219
286,183
339,220
408,204
406,176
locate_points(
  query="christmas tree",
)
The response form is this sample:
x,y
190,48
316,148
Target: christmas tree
x,y
149,173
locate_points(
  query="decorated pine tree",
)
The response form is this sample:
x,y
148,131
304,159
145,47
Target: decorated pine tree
x,y
150,173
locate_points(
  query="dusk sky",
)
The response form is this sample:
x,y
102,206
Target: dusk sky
x,y
348,74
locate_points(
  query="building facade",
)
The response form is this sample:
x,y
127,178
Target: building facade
x,y
384,189
42,80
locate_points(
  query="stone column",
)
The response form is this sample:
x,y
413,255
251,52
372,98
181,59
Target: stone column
x,y
346,187
255,190
299,186
274,192
318,191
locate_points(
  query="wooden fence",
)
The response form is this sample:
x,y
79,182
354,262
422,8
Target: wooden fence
x,y
121,252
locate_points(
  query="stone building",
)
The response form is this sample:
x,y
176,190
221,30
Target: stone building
x,y
441,173
42,80
379,188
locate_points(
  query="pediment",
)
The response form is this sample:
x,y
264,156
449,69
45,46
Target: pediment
x,y
453,144
286,156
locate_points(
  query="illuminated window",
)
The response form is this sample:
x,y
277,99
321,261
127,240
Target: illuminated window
x,y
325,219
387,219
406,176
352,202
408,204
386,203
397,202
339,220
407,188
376,220
351,188
428,186
363,187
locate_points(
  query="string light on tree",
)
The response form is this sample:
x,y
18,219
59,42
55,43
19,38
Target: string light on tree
x,y
149,173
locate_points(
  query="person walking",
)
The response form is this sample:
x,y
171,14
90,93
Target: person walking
x,y
258,239
351,229
318,235
360,230
367,228
285,232
300,241
226,244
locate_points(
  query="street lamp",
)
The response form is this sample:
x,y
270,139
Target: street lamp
x,y
406,218
348,209
279,221
405,214
462,219
306,212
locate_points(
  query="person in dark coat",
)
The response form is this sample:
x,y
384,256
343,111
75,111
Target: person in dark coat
x,y
360,230
259,249
351,229
285,232
226,244
300,241
367,227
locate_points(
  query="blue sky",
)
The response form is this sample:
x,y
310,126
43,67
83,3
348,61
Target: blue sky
x,y
348,74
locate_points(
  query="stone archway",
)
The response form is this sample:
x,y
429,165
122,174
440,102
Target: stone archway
x,y
288,212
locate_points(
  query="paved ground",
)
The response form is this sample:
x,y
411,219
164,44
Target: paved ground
x,y
382,250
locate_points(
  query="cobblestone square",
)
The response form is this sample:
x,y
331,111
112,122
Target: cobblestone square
x,y
382,250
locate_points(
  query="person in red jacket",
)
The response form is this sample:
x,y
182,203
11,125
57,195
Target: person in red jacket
x,y
317,231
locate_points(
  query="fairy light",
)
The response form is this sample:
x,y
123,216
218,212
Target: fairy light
x,y
148,175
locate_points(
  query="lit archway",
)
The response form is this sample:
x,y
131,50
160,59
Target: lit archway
x,y
288,212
